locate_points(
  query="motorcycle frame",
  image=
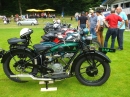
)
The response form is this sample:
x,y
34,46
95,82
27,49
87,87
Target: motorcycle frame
x,y
66,65
73,60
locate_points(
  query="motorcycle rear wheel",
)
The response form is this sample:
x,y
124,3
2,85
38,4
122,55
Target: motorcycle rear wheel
x,y
92,74
17,64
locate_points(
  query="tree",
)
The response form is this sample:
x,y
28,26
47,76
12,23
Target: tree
x,y
9,7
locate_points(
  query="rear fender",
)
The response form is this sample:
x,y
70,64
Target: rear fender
x,y
8,53
88,53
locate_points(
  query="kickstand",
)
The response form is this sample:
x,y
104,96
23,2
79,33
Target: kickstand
x,y
48,88
46,84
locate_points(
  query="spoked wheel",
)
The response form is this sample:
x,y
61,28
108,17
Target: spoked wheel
x,y
92,72
18,63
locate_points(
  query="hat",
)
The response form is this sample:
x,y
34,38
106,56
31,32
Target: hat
x,y
83,12
98,11
91,11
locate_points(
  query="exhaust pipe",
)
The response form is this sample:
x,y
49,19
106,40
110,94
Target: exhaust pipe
x,y
45,81
30,77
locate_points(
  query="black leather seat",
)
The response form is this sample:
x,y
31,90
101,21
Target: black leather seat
x,y
41,47
16,40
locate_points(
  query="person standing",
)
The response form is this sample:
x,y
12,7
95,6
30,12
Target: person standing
x,y
83,21
93,22
62,14
87,14
112,21
76,16
129,23
5,20
122,29
99,27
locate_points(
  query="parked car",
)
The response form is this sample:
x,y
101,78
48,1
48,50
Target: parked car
x,y
1,16
28,22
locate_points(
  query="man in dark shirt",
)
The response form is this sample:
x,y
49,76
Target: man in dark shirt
x,y
112,20
83,21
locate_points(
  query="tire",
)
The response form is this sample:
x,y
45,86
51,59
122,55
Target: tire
x,y
95,45
32,24
91,75
46,30
19,24
17,64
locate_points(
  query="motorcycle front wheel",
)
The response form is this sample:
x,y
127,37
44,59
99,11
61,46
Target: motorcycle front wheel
x,y
18,63
92,71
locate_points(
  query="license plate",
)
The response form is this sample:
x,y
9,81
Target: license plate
x,y
107,50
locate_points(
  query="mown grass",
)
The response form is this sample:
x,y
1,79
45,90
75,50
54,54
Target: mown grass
x,y
118,85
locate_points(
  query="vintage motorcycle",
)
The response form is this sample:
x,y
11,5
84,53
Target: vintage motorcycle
x,y
59,36
55,27
50,62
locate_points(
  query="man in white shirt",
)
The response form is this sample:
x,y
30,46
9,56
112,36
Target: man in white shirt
x,y
99,27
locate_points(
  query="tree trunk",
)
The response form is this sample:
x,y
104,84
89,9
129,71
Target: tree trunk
x,y
0,4
20,9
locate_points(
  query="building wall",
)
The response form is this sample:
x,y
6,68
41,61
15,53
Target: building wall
x,y
123,4
118,1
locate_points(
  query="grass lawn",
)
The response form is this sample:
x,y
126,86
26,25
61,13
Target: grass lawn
x,y
118,85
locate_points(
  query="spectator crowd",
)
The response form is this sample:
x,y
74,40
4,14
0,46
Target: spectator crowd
x,y
116,23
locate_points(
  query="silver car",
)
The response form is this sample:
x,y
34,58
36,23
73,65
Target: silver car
x,y
28,22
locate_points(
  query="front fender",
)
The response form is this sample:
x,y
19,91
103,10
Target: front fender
x,y
8,53
89,53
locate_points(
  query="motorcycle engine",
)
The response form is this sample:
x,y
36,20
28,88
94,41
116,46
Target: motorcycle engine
x,y
57,67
